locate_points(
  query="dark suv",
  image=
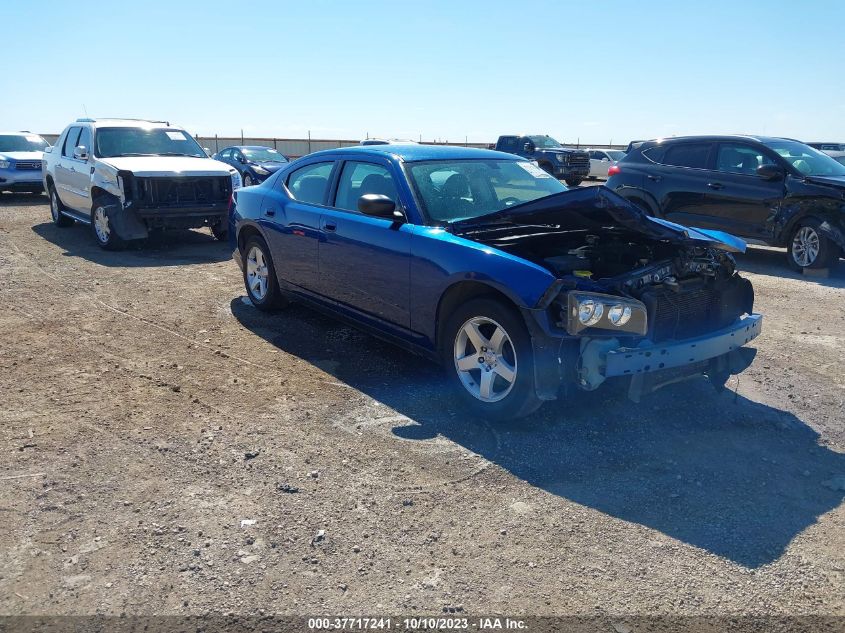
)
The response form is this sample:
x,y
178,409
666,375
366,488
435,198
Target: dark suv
x,y
564,163
773,191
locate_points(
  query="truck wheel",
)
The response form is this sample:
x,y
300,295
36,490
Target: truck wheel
x,y
487,354
220,231
259,275
809,248
573,182
57,210
104,231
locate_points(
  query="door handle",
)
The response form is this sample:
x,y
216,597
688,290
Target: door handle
x,y
270,212
715,185
330,226
655,178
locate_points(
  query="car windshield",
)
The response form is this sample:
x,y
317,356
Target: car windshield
x,y
809,161
112,142
544,142
462,189
616,154
22,143
263,155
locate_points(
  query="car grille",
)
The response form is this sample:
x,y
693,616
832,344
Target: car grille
x,y
28,164
578,160
680,315
183,192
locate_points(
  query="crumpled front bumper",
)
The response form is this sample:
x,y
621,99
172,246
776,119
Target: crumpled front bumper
x,y
626,361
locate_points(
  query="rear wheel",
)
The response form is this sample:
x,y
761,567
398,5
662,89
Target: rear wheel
x,y
259,275
487,353
220,231
809,248
57,210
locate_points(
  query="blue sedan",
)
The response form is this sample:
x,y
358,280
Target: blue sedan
x,y
524,290
255,163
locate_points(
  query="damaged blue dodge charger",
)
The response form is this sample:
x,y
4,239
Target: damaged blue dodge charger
x,y
523,289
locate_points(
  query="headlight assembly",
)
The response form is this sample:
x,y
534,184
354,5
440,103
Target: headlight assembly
x,y
561,158
236,180
591,310
4,164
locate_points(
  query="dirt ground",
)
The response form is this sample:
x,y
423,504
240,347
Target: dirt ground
x,y
168,449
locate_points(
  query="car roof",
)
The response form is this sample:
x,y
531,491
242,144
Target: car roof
x,y
412,153
721,137
126,123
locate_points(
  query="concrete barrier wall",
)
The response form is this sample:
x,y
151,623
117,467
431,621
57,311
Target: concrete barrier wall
x,y
296,147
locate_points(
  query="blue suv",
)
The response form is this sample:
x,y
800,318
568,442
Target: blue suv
x,y
21,155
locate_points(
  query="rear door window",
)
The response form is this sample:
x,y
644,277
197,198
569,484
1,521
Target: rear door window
x,y
310,183
687,155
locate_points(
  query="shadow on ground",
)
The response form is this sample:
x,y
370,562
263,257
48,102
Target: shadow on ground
x,y
729,475
24,200
167,248
772,262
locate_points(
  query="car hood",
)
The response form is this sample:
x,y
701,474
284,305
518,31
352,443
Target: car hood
x,y
169,165
271,167
598,207
836,181
22,155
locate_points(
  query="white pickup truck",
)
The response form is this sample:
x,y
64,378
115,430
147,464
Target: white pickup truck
x,y
125,177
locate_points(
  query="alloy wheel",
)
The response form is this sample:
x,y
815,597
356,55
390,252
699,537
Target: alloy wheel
x,y
54,205
248,180
101,225
256,273
806,246
485,359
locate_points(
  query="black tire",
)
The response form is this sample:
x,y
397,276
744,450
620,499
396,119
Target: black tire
x,y
247,180
57,210
809,248
105,234
548,168
520,398
272,298
573,182
220,231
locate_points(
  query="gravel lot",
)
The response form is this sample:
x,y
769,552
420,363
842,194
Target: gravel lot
x,y
168,449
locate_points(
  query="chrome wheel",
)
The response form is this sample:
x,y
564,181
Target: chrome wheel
x,y
101,225
256,273
485,359
805,246
248,182
54,205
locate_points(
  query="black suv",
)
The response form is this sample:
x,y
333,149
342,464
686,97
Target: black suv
x,y
773,191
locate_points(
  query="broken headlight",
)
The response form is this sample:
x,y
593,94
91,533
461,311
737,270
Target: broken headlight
x,y
591,310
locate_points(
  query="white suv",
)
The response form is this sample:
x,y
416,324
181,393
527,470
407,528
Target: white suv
x,y
125,177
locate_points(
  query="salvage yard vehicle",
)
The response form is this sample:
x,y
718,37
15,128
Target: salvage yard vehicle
x,y
603,159
482,260
125,177
21,156
772,191
565,163
253,162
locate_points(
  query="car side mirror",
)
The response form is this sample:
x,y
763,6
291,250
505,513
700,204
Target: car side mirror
x,y
80,153
605,160
207,151
770,172
379,206
528,148
242,160
48,149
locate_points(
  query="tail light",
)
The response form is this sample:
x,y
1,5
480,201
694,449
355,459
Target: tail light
x,y
231,204
613,170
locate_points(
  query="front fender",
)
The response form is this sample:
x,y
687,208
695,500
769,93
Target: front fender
x,y
439,260
105,177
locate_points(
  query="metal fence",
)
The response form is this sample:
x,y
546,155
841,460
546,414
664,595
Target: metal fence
x,y
296,147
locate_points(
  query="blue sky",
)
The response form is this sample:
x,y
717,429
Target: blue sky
x,y
598,71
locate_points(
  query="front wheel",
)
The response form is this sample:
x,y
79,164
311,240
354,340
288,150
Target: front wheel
x,y
248,180
809,248
104,231
573,182
487,353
